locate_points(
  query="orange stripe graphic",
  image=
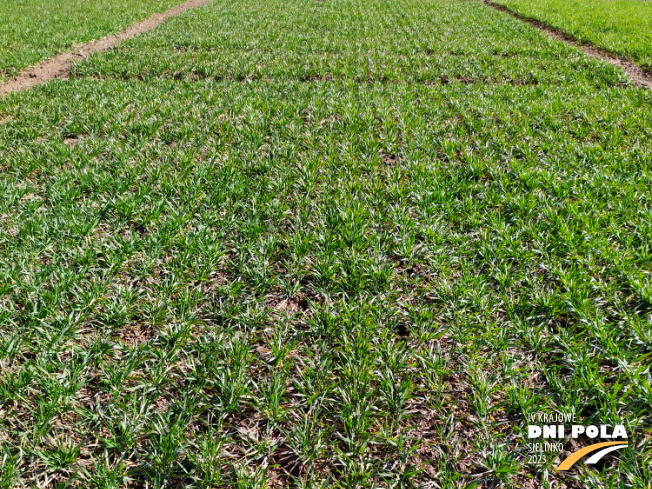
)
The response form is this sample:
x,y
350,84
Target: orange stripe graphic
x,y
574,457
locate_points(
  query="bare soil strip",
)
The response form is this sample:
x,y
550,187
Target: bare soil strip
x,y
59,66
636,74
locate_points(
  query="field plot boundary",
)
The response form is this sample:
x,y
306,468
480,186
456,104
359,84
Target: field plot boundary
x,y
637,74
59,67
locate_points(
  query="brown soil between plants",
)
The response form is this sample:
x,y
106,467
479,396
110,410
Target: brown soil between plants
x,y
60,66
636,73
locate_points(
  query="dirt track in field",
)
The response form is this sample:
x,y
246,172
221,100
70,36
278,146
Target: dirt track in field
x,y
636,74
59,66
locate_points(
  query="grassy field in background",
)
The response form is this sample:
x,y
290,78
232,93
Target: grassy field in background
x,y
31,30
345,243
621,26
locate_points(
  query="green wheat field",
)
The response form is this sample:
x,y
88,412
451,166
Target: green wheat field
x,y
310,244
